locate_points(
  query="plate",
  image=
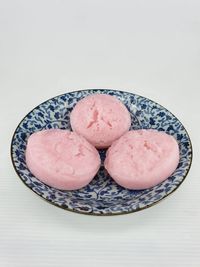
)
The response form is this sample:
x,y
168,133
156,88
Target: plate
x,y
102,196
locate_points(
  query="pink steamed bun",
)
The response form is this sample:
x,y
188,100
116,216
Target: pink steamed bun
x,y
61,159
141,159
101,119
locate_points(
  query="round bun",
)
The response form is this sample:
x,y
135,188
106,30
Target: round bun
x,y
61,159
101,119
141,159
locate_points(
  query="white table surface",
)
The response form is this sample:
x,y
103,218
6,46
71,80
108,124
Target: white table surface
x,y
51,47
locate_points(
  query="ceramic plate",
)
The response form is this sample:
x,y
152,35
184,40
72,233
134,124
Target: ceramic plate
x,y
102,196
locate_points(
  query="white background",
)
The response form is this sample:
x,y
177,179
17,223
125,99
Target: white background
x,y
51,47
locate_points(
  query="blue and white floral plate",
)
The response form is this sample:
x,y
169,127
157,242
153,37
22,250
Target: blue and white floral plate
x,y
102,196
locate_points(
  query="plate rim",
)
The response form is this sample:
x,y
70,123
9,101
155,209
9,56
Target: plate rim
x,y
92,213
